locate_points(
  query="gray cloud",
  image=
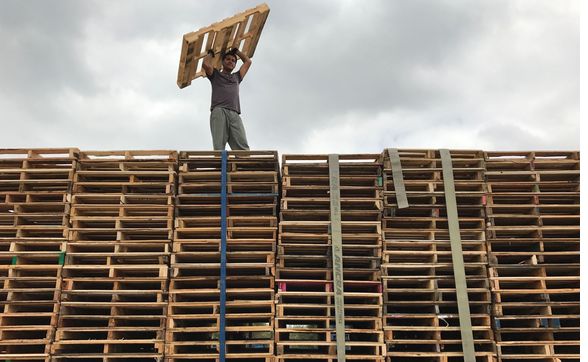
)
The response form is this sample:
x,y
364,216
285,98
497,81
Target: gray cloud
x,y
41,48
329,75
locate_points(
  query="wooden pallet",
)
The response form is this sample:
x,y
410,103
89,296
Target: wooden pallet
x,y
18,180
237,205
317,349
355,169
210,264
38,154
517,160
18,251
128,155
239,31
237,161
103,349
318,209
293,304
248,350
129,164
238,182
320,330
438,357
20,351
315,358
234,357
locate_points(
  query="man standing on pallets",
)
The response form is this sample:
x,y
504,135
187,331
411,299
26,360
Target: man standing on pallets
x,y
225,123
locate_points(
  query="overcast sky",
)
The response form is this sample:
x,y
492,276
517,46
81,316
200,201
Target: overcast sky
x,y
327,76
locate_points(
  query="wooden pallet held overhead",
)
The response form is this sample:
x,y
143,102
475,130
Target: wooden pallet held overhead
x,y
240,31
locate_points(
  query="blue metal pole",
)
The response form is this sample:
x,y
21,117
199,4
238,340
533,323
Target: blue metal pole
x,y
223,266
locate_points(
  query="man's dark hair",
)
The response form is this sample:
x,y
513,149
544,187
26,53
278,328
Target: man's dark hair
x,y
230,52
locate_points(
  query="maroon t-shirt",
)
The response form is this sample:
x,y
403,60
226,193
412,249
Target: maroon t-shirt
x,y
225,90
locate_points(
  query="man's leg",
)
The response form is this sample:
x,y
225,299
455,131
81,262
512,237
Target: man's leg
x,y
237,136
219,125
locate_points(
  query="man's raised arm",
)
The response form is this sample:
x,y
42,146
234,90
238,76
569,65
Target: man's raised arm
x,y
246,62
207,63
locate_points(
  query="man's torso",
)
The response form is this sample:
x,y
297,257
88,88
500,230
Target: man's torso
x,y
225,90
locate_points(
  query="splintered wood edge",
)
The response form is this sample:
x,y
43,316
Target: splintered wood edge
x,y
185,76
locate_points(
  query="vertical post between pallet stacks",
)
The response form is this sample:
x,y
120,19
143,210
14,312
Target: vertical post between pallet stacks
x,y
463,306
337,251
223,264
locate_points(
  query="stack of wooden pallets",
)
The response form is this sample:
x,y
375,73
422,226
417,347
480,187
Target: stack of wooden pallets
x,y
113,304
421,319
252,181
35,188
305,319
117,256
534,237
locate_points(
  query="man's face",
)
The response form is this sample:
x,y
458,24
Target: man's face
x,y
229,62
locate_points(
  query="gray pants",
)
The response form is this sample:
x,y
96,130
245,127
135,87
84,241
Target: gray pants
x,y
227,126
